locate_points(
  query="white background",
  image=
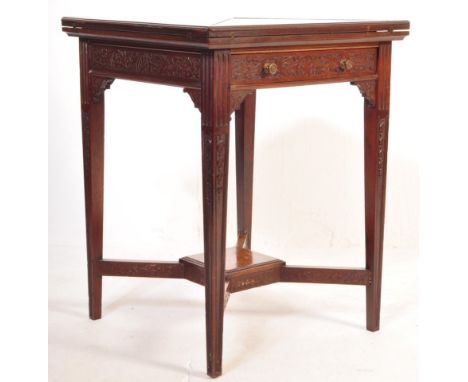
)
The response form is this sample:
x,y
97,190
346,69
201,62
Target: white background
x,y
424,120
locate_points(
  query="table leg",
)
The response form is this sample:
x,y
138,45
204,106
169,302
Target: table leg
x,y
92,111
215,110
376,119
245,131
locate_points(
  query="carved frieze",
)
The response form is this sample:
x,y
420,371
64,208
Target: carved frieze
x,y
162,65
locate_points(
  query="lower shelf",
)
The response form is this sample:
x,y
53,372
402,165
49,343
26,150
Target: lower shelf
x,y
245,269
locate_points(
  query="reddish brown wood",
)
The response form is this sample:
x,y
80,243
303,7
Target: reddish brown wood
x,y
148,64
221,67
244,269
237,97
215,112
237,260
367,90
348,276
375,158
268,85
229,37
255,278
245,131
92,119
195,95
196,32
134,268
303,65
193,270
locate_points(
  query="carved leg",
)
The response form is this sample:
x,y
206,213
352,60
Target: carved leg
x,y
245,131
375,158
215,105
92,110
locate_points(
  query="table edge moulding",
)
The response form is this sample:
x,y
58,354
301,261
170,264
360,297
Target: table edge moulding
x,y
220,67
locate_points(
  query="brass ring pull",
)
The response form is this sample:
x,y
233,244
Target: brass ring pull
x,y
270,68
345,64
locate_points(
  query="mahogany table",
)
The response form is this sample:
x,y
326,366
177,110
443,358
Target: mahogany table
x,y
220,67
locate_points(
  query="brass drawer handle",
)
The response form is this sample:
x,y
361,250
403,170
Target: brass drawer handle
x,y
270,68
345,65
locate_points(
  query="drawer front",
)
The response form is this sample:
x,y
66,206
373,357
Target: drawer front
x,y
271,67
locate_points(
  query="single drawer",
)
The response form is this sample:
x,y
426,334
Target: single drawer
x,y
302,66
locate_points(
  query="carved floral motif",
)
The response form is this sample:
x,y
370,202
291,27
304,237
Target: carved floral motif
x,y
220,140
381,126
367,89
98,85
237,97
323,64
145,62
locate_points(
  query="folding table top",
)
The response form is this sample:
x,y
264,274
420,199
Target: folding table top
x,y
240,32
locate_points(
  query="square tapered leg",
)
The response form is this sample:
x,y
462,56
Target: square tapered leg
x,y
215,110
376,117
